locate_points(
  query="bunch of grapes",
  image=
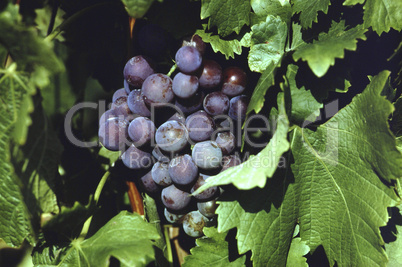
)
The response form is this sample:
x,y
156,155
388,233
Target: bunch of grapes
x,y
180,129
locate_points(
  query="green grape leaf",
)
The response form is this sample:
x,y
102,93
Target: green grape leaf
x,y
126,237
228,16
396,119
255,171
15,225
267,43
335,172
227,47
297,39
264,8
381,15
394,249
297,250
321,54
309,10
212,250
137,8
303,104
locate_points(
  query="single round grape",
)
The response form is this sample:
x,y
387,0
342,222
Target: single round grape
x,y
137,69
230,161
208,208
157,89
159,155
118,93
184,85
234,81
113,134
193,223
160,174
141,130
121,103
110,114
200,126
178,117
211,75
216,103
226,141
197,42
208,193
148,183
136,104
207,155
172,217
188,59
238,107
174,198
192,104
135,158
171,136
183,170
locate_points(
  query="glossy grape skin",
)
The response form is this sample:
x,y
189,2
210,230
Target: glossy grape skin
x,y
114,113
234,81
207,155
136,70
184,86
196,42
208,208
121,104
208,193
178,117
174,198
157,89
211,75
200,126
160,174
216,103
188,59
171,136
136,103
118,93
238,107
113,134
172,217
141,130
159,155
183,170
135,158
226,141
193,223
192,104
230,161
148,183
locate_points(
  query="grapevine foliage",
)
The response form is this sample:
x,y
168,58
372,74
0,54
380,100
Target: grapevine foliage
x,y
328,74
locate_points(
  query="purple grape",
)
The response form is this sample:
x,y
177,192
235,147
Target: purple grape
x,y
160,174
141,130
113,134
193,223
135,158
159,155
226,141
178,117
234,81
238,107
183,170
128,88
119,92
216,103
171,136
136,103
172,217
207,155
110,114
137,69
200,126
188,59
192,104
175,199
230,161
184,85
208,193
208,208
157,89
196,42
121,104
148,183
211,75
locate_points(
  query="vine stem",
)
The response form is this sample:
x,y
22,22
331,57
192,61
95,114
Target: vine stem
x,y
136,201
172,69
